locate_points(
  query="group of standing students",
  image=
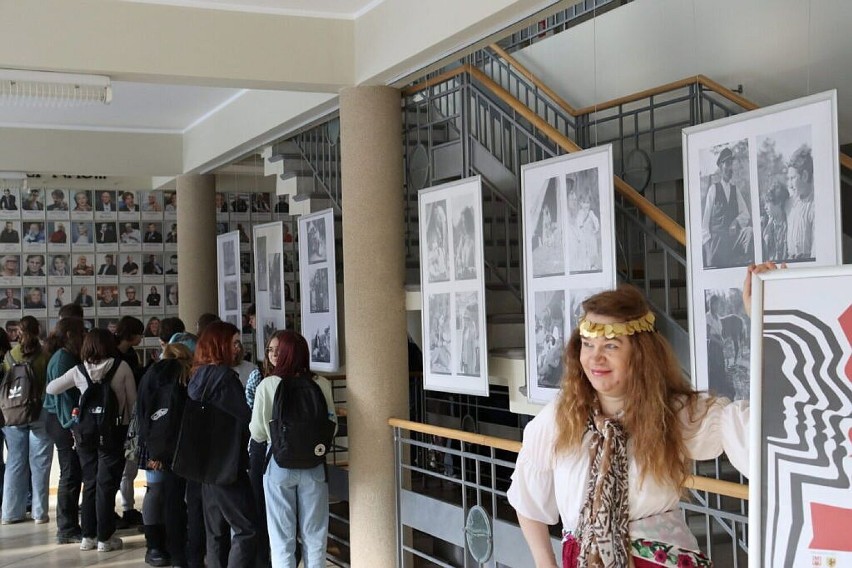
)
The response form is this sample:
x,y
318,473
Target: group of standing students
x,y
256,520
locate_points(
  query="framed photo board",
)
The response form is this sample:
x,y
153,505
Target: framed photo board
x,y
269,281
569,254
452,283
800,495
318,282
762,185
229,277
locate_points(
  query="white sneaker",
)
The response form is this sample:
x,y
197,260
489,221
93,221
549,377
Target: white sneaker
x,y
114,543
88,544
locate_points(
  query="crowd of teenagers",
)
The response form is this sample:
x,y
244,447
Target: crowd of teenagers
x,y
232,479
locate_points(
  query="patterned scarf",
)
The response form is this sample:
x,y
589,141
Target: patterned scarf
x,y
603,527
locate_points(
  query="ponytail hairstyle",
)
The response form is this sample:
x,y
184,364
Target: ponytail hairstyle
x,y
30,343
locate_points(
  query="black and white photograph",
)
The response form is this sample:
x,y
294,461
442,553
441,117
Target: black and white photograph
x,y
752,185
106,232
578,296
467,334
583,221
548,258
785,181
232,295
57,201
9,199
318,281
131,264
728,350
11,299
319,291
240,202
276,292
127,202
130,296
245,261
455,355
437,242
260,203
58,296
269,328
171,295
549,337
106,202
440,338
153,295
726,221
58,266
153,233
569,251
321,345
262,274
34,265
464,236
229,258
316,238
34,298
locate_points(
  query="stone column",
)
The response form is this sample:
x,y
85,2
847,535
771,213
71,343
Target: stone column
x,y
196,221
375,324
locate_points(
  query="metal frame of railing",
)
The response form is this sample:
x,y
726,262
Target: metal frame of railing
x,y
320,150
482,477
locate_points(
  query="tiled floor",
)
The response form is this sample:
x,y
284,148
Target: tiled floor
x,y
27,545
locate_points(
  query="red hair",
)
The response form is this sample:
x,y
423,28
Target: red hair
x,y
215,346
292,354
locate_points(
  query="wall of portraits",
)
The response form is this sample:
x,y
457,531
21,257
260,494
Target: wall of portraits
x,y
801,400
452,284
569,254
761,186
318,276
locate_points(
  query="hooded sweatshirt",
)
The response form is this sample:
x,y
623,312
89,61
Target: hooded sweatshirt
x,y
123,384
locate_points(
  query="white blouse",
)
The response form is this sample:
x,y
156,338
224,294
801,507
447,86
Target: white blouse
x,y
546,487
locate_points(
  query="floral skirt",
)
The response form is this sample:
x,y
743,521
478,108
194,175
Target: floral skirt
x,y
646,554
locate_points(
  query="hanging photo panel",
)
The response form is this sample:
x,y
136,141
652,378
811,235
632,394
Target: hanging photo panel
x,y
318,282
800,495
229,275
569,254
268,282
763,185
452,284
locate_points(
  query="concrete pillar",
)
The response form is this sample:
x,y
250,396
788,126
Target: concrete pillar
x,y
375,324
196,221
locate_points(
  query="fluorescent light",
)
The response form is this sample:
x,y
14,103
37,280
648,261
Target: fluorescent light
x,y
43,88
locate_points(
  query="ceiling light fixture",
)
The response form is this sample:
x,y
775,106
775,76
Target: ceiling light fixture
x,y
44,88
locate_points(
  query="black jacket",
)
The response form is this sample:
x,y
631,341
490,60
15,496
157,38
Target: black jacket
x,y
158,375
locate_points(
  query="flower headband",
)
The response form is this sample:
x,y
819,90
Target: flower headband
x,y
591,330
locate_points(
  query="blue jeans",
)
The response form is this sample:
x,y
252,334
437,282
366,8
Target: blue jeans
x,y
30,457
296,502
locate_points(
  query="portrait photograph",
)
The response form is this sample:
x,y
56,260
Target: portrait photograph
x,y
130,297
467,333
34,265
10,236
170,200
232,295
32,201
316,241
726,218
548,258
583,225
58,265
153,295
57,233
229,258
83,265
81,202
33,233
752,183
785,174
81,233
107,296
9,200
321,345
131,264
568,225
464,236
440,338
11,299
106,202
152,202
276,296
106,232
260,203
549,337
129,233
58,296
35,298
57,203
152,233
437,242
262,275
319,291
245,262
128,202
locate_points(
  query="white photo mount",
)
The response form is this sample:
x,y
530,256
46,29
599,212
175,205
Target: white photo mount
x,y
270,316
229,275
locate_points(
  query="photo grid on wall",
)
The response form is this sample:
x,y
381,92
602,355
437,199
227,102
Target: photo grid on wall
x,y
452,283
800,506
239,212
318,274
569,255
761,186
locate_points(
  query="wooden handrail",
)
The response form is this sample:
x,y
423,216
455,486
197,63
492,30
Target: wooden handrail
x,y
696,482
436,80
632,98
726,92
532,78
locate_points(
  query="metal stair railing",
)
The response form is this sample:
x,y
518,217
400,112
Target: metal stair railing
x,y
320,150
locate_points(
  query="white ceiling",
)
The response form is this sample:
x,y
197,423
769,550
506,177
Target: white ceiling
x,y
341,9
136,107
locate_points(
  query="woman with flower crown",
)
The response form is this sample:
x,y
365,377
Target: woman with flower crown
x,y
610,454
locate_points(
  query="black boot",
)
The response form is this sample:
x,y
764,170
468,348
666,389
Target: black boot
x,y
155,542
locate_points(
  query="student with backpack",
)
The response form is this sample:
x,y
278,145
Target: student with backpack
x,y
65,343
30,449
294,412
128,335
107,398
159,408
229,512
5,347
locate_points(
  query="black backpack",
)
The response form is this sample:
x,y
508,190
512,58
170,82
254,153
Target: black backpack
x,y
21,395
300,427
98,418
165,404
